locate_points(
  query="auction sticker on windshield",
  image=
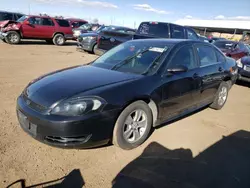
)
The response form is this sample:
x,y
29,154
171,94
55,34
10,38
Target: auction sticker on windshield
x,y
156,49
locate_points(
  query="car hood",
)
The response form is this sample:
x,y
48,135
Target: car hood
x,y
9,25
65,83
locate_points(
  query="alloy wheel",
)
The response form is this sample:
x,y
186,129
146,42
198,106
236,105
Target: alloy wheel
x,y
135,126
222,96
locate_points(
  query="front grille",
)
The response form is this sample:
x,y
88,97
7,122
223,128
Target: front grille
x,y
58,139
33,105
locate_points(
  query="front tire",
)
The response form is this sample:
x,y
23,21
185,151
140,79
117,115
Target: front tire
x,y
221,96
59,40
94,49
133,126
13,37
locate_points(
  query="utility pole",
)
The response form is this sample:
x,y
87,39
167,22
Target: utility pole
x,y
29,8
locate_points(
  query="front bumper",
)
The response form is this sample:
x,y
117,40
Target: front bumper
x,y
87,46
2,35
67,132
244,73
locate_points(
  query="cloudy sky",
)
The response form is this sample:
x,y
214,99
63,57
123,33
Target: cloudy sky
x,y
127,12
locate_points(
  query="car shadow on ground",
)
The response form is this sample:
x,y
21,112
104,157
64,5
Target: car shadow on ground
x,y
73,179
226,164
244,84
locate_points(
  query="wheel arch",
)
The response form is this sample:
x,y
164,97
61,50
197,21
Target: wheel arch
x,y
151,104
57,33
18,31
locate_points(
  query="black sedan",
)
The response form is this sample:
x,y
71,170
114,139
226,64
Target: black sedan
x,y
126,92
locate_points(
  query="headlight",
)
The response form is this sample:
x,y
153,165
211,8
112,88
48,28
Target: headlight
x,y
77,32
88,38
78,106
239,64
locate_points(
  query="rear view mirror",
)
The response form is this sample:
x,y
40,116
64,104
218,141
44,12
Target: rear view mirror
x,y
27,22
178,68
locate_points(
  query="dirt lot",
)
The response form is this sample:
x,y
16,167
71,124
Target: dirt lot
x,y
21,157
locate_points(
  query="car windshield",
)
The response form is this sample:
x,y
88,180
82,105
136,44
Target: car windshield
x,y
133,57
85,26
224,44
22,18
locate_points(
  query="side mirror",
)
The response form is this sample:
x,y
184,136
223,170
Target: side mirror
x,y
178,68
27,22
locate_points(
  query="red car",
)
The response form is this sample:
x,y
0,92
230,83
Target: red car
x,y
53,30
75,23
232,49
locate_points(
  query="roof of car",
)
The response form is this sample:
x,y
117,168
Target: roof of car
x,y
3,11
76,19
167,41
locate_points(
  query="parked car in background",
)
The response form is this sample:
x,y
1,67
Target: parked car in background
x,y
203,38
89,27
91,105
13,16
233,49
88,41
53,30
146,30
75,23
244,69
212,39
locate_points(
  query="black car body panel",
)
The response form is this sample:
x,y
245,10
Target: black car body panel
x,y
172,94
146,30
70,81
110,38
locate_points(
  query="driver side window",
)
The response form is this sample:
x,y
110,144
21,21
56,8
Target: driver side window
x,y
184,56
35,21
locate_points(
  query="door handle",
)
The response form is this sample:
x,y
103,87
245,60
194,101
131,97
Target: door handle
x,y
220,69
195,75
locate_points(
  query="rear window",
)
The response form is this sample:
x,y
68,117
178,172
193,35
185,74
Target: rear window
x,y
154,29
62,23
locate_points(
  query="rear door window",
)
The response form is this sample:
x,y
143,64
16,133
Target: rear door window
x,y
206,55
63,23
177,32
154,29
47,22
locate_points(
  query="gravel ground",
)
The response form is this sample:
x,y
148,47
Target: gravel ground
x,y
22,157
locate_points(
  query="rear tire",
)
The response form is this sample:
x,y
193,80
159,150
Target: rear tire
x,y
221,96
133,126
59,40
4,40
13,37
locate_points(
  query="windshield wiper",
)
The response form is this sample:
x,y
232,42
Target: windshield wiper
x,y
156,60
125,61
